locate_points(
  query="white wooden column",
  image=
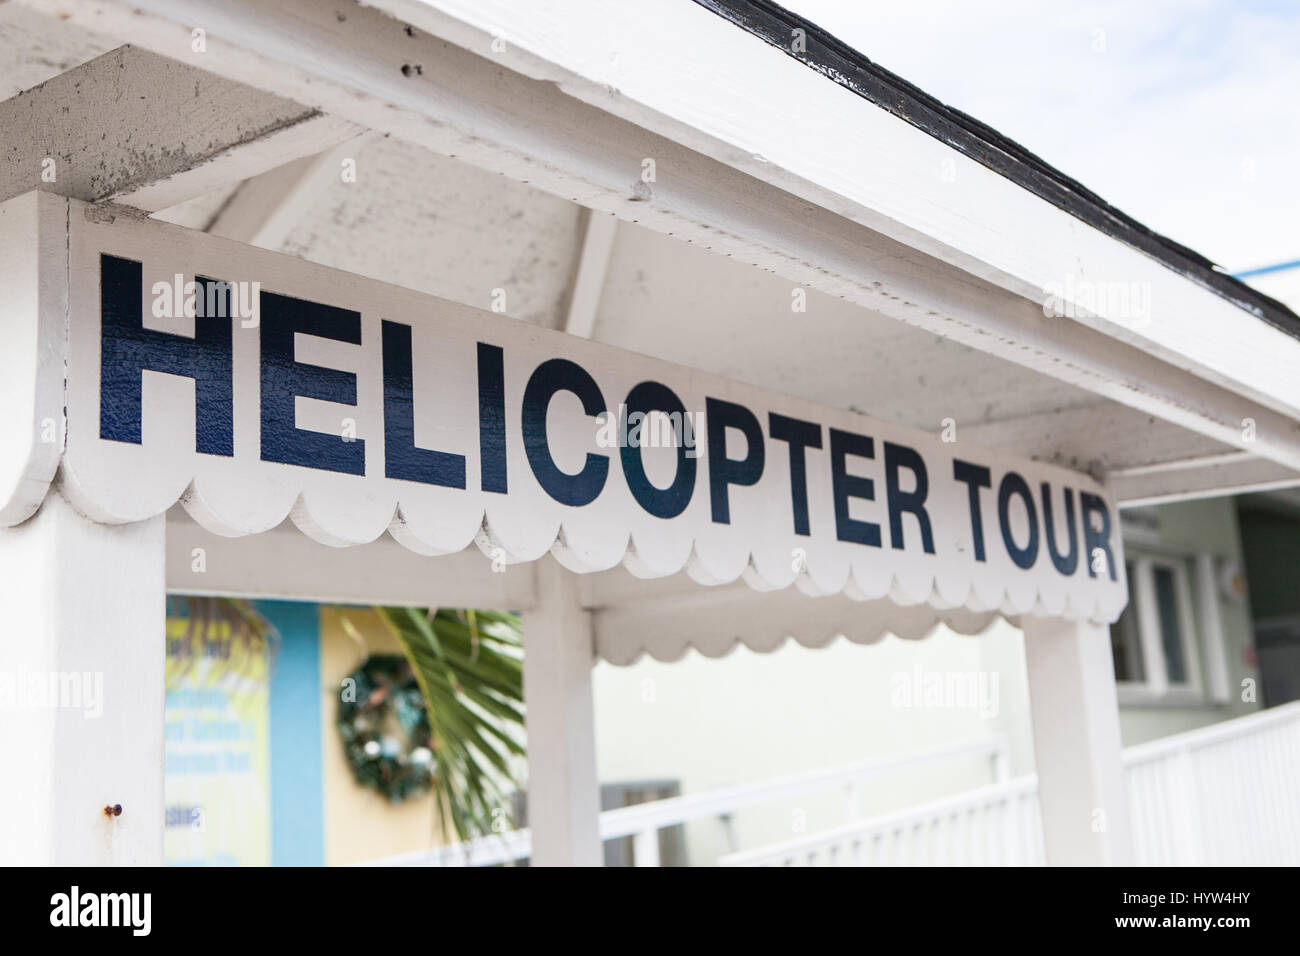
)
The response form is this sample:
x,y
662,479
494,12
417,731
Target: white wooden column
x,y
1077,743
563,791
82,659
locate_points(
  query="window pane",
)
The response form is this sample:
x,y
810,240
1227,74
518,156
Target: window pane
x,y
1171,635
1125,645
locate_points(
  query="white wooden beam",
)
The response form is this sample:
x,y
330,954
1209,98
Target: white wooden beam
x,y
1143,462
1098,437
151,132
34,48
199,212
284,563
252,212
1077,750
84,659
361,65
563,790
599,230
263,211
1232,473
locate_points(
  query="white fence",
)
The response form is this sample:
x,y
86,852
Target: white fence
x,y
1222,795
643,821
997,825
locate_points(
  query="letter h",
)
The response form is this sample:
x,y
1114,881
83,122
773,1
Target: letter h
x,y
127,349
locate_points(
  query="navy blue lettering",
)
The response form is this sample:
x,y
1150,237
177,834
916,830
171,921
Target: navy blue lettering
x,y
127,349
1014,484
1094,539
402,458
975,477
901,456
284,380
724,471
1070,561
845,486
492,417
661,502
561,375
800,435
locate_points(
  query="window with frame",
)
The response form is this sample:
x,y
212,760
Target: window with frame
x,y
1157,643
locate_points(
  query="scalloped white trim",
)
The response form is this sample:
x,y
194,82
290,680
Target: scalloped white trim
x,y
773,621
945,592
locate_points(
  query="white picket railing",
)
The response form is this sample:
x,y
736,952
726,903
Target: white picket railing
x,y
643,821
1221,795
989,826
1227,794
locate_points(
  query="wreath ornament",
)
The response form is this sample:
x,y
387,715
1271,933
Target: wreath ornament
x,y
385,729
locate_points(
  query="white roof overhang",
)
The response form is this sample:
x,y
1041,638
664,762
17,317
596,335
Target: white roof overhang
x,y
339,403
761,159
928,287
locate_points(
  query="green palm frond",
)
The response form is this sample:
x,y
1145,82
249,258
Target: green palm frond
x,y
469,665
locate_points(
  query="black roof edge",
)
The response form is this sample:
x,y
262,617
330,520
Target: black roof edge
x,y
844,65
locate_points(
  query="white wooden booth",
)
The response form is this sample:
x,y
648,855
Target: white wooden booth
x,y
650,195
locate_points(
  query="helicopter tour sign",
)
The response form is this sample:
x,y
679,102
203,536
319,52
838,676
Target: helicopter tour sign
x,y
250,387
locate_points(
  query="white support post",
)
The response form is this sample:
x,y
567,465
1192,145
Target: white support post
x,y
563,791
1217,682
1077,747
82,662
645,847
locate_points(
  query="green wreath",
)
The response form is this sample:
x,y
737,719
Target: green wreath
x,y
385,728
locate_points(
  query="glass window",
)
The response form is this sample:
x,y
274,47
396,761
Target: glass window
x,y
1125,641
1154,642
1171,635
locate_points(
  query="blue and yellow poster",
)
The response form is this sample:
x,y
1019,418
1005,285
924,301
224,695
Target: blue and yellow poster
x,y
217,792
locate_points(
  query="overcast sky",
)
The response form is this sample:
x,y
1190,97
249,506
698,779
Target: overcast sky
x,y
1183,113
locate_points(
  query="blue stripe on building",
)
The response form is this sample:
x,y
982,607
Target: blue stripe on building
x,y
297,810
